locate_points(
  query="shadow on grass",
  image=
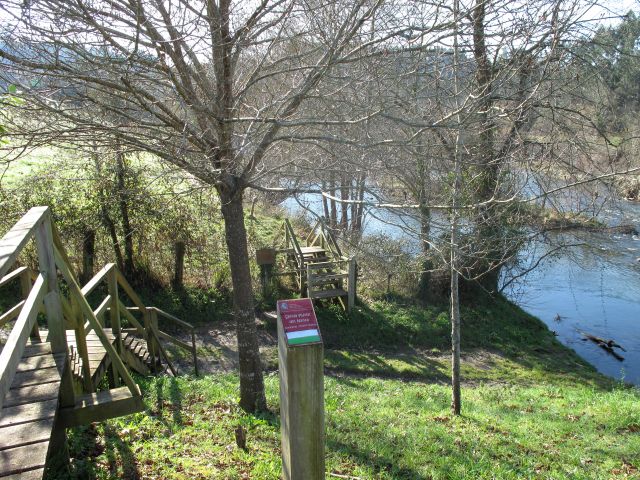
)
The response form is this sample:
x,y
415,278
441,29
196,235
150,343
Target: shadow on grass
x,y
168,396
392,340
370,458
115,454
119,454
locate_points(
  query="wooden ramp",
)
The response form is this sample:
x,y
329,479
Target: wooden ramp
x,y
29,412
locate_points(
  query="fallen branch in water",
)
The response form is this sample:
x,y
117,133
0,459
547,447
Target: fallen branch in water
x,y
606,345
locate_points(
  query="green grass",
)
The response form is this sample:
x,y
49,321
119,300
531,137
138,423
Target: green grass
x,y
531,409
376,429
395,339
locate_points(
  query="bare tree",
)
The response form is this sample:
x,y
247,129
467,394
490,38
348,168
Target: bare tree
x,y
210,86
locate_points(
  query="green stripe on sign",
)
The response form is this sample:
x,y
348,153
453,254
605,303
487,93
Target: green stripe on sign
x,y
310,339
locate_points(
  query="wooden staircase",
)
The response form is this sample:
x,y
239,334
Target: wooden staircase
x,y
321,270
49,378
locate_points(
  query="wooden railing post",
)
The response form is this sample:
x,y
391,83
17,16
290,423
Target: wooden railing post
x,y
25,288
195,352
52,305
114,317
351,290
310,282
150,322
81,345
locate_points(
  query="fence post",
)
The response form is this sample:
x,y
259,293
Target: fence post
x,y
351,290
300,358
195,352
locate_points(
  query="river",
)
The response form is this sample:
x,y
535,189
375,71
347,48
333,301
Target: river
x,y
592,288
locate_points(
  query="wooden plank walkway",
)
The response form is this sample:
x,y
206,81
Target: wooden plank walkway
x,y
29,412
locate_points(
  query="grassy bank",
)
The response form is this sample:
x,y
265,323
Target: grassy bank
x,y
375,429
532,409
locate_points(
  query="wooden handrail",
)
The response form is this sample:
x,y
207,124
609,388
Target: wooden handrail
x,y
296,246
321,265
15,239
14,347
12,313
13,274
96,279
175,320
102,308
176,341
122,281
75,289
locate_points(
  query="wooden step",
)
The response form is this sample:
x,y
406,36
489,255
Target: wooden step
x,y
99,406
308,250
322,278
336,292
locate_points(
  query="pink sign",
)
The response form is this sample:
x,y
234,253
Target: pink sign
x,y
299,321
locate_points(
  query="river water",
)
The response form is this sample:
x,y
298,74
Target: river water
x,y
592,288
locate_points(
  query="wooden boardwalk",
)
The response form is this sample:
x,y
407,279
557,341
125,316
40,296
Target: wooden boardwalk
x,y
42,393
29,412
30,407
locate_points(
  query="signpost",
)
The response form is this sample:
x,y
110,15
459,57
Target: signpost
x,y
300,356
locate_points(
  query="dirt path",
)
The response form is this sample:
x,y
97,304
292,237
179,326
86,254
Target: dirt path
x,y
217,347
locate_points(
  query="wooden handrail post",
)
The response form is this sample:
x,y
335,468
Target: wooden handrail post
x,y
52,305
351,290
151,325
25,288
81,344
195,352
114,318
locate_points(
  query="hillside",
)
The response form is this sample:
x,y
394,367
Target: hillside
x,y
531,408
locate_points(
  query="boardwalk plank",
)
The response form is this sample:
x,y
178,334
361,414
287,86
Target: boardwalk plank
x,y
27,412
27,433
32,394
19,459
36,474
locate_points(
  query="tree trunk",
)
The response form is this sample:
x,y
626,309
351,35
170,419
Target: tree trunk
x,y
334,209
424,284
490,226
354,206
123,197
325,203
360,213
252,396
88,254
455,336
107,221
344,196
178,272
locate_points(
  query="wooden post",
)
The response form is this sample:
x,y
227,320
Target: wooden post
x,y
195,352
151,325
301,391
114,318
25,288
351,290
52,305
81,344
